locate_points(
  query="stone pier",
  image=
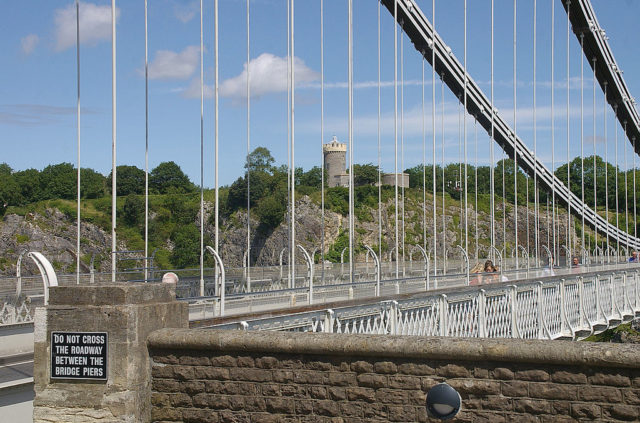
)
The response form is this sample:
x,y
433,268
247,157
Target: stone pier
x,y
127,313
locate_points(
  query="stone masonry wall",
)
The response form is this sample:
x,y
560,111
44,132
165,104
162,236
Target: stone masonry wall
x,y
232,376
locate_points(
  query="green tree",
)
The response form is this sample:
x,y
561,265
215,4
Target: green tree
x,y
5,169
92,183
312,177
29,185
129,180
58,181
186,246
133,210
168,177
9,193
271,211
366,174
260,160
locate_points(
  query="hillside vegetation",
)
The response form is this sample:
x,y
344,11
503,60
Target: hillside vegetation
x,y
39,210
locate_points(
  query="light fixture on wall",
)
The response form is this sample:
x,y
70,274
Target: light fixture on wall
x,y
443,402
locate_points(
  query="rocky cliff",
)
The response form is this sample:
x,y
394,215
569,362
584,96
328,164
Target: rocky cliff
x,y
54,233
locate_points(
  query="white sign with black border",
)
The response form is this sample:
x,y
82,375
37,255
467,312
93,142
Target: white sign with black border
x,y
79,355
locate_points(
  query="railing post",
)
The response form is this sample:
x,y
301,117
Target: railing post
x,y
612,292
540,312
625,297
581,297
563,314
513,297
443,311
482,314
310,271
391,308
598,309
329,318
222,278
635,277
377,264
19,274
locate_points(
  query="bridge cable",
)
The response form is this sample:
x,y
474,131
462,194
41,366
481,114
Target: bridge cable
x,y
466,165
444,210
292,238
433,128
248,263
569,241
113,141
635,226
553,136
291,282
379,143
322,236
535,144
459,185
606,163
595,156
395,125
475,129
491,148
424,166
216,125
78,142
626,194
351,169
401,174
201,154
146,143
515,125
615,112
582,137
504,208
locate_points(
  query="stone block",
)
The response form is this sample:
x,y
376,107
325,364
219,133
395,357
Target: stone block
x,y
404,382
385,367
586,411
362,367
628,413
610,379
563,376
369,380
515,388
452,370
600,394
416,369
502,373
530,406
533,375
553,391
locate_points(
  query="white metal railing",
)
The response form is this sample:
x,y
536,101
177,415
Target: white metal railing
x,y
571,307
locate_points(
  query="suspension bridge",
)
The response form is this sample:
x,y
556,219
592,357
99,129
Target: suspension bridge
x,y
425,288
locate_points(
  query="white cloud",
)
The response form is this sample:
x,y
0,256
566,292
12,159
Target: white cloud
x,y
171,65
95,25
29,43
267,75
193,90
185,12
36,114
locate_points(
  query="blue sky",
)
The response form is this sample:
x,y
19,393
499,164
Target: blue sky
x,y
38,89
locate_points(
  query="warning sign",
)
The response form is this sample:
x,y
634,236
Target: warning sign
x,y
79,355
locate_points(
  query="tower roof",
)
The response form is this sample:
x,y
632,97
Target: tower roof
x,y
334,145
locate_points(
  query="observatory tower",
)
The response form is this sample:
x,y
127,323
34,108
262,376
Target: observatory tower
x,y
335,163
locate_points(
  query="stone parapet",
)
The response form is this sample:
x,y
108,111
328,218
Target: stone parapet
x,y
213,376
127,313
